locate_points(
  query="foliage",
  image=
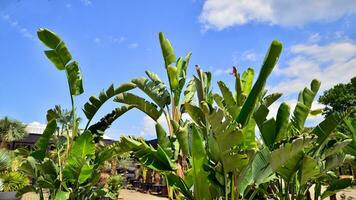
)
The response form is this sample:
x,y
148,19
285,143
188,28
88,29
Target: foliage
x,y
11,130
13,181
71,169
339,99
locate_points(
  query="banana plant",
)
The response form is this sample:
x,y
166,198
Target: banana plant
x,y
172,154
296,158
222,137
227,125
67,160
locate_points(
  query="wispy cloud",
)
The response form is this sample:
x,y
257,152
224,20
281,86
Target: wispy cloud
x,y
133,45
221,71
15,24
68,5
97,40
87,2
109,40
249,55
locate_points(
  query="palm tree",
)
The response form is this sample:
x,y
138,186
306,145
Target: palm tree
x,y
11,130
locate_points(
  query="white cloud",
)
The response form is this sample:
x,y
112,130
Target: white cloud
x,y
221,14
133,45
330,63
149,130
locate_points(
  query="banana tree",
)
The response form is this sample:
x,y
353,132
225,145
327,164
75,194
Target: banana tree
x,y
299,157
67,160
222,138
164,102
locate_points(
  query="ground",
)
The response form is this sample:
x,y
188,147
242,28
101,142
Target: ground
x,y
134,195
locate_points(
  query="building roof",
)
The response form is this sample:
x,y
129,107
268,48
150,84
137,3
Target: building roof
x,y
38,128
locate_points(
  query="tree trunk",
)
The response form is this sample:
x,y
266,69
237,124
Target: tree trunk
x,y
113,167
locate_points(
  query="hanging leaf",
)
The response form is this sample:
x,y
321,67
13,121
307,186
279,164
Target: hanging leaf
x,y
92,106
140,103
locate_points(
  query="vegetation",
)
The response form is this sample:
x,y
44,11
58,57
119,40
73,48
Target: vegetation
x,y
70,168
11,130
212,154
10,179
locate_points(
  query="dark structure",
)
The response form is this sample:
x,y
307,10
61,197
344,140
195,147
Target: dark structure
x,y
34,131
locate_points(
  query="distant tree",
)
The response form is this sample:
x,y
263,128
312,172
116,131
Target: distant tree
x,y
11,130
340,98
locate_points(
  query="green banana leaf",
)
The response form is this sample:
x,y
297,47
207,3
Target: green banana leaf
x,y
92,106
281,155
60,57
199,157
179,184
156,90
267,67
302,109
257,172
167,50
77,168
43,141
228,136
154,159
140,103
75,79
336,186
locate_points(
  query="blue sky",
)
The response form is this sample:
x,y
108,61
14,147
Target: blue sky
x,y
114,41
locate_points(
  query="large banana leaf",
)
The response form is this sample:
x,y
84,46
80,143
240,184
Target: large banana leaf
x,y
59,54
309,169
77,168
162,138
257,172
94,103
324,129
154,159
156,90
282,122
336,186
228,137
267,67
189,91
181,132
167,50
229,100
60,57
281,155
199,157
41,144
247,80
74,77
178,183
98,128
140,103
302,109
